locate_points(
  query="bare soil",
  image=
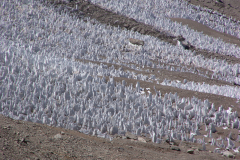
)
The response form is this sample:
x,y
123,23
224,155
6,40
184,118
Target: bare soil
x,y
27,140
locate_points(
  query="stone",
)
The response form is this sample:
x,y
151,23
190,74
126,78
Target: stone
x,y
136,41
175,148
120,149
142,140
23,141
180,38
217,150
167,140
118,136
190,151
181,42
57,136
131,136
228,154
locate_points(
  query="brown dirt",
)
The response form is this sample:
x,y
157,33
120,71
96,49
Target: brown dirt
x,y
27,140
208,31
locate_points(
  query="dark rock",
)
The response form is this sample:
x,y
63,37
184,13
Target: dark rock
x,y
190,151
175,148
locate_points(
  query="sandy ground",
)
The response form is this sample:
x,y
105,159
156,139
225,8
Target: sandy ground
x,y
27,140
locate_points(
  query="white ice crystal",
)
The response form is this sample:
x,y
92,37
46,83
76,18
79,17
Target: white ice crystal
x,y
42,82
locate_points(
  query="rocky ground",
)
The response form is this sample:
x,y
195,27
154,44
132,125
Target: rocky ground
x,y
26,140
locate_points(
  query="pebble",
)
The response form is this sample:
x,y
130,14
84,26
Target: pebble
x,y
57,136
142,140
228,154
131,136
190,151
136,41
120,149
176,148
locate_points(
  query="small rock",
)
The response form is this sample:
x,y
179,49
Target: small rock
x,y
228,154
62,133
176,148
217,150
120,149
142,140
167,140
219,1
7,127
136,41
180,38
57,136
126,25
190,151
118,136
131,136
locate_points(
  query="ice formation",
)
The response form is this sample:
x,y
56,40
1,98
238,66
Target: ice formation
x,y
228,91
42,82
157,13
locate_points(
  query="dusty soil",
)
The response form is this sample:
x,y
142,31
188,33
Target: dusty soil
x,y
208,31
27,140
